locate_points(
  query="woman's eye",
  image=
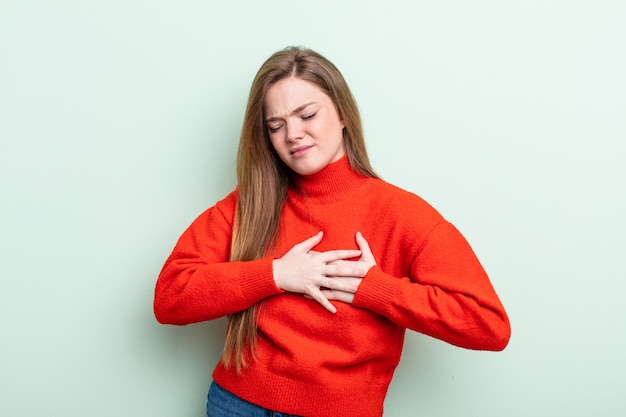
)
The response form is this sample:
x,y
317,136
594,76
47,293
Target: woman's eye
x,y
275,128
309,116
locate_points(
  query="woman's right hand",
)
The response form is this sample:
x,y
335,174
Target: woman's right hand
x,y
302,270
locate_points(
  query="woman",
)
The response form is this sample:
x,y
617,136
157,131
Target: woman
x,y
319,265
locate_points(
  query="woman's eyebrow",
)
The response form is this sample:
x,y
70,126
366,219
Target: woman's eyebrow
x,y
296,110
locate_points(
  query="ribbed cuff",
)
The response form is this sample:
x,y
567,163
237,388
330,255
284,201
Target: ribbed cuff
x,y
377,291
257,279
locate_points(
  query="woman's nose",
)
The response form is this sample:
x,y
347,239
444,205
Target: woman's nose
x,y
294,131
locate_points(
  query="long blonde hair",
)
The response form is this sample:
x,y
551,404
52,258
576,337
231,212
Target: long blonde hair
x,y
263,179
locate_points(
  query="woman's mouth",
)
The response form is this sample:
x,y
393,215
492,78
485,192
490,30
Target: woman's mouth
x,y
300,150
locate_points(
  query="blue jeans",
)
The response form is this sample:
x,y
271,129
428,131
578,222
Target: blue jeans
x,y
221,403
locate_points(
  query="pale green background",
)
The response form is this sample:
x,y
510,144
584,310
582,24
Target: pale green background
x,y
118,125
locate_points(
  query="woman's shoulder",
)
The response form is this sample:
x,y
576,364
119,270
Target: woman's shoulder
x,y
229,202
224,208
402,200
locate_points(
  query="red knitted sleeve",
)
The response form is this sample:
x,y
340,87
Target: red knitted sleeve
x,y
198,283
446,295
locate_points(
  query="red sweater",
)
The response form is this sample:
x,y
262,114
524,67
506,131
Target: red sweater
x,y
311,362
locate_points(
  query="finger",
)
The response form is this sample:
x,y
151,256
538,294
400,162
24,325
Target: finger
x,y
335,295
351,282
341,284
366,251
343,263
310,243
342,296
320,298
344,271
341,254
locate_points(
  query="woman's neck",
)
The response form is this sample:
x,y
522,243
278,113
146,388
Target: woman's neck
x,y
334,182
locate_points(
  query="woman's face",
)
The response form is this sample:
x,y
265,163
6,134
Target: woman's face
x,y
303,125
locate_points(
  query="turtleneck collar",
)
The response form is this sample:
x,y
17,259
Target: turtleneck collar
x,y
333,183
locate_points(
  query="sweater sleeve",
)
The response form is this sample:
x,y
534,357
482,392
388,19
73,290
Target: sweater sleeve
x,y
447,294
198,282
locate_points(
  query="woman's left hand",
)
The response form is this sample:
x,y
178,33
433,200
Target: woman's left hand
x,y
365,262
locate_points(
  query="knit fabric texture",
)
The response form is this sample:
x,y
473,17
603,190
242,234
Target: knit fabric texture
x,y
311,362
